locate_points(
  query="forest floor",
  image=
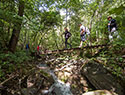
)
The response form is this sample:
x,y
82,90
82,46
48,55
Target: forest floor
x,y
32,79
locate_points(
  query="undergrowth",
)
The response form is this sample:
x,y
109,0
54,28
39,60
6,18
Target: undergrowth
x,y
9,62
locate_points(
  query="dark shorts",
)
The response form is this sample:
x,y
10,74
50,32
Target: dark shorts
x,y
83,38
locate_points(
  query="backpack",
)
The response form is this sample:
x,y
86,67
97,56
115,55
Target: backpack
x,y
27,46
68,34
87,31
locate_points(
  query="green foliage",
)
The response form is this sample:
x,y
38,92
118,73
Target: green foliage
x,y
9,62
116,69
41,17
17,57
43,24
117,10
50,18
13,18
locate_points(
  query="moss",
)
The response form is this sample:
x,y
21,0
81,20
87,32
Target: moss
x,y
44,73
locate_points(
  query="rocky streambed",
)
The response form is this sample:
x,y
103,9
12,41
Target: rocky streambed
x,y
66,76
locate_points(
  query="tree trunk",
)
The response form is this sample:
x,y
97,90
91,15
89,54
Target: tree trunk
x,y
17,28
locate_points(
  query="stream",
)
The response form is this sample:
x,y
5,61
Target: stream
x,y
59,87
73,77
66,76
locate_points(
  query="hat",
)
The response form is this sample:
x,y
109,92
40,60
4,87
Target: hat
x,y
109,17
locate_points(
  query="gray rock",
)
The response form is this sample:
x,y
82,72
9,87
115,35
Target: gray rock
x,y
101,79
59,88
99,92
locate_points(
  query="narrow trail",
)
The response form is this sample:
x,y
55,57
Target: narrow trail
x,y
73,49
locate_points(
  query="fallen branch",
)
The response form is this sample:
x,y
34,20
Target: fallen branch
x,y
72,49
7,80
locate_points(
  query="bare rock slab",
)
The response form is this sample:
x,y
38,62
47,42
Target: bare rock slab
x,y
101,79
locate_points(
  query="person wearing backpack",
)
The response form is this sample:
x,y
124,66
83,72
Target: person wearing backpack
x,y
112,27
27,49
82,34
67,36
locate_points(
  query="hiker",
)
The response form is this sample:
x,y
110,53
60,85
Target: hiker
x,y
67,36
38,50
27,49
82,34
112,27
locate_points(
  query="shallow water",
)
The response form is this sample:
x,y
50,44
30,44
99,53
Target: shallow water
x,y
59,87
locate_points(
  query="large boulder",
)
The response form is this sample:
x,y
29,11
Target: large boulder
x,y
99,92
101,78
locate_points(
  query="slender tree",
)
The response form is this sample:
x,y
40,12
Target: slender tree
x,y
17,28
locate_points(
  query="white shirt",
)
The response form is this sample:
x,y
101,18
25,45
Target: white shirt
x,y
82,28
